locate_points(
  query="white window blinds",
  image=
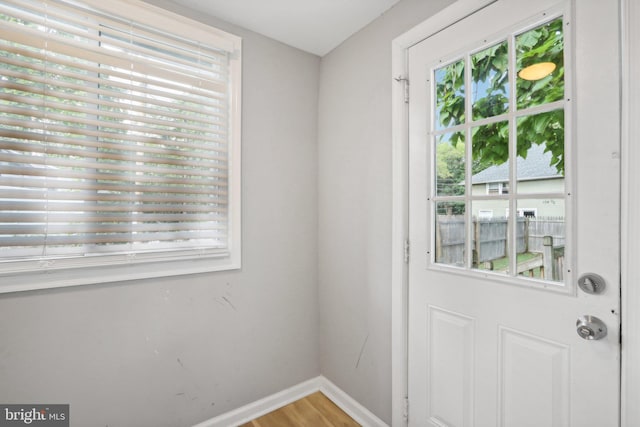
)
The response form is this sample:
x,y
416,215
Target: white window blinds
x,y
114,135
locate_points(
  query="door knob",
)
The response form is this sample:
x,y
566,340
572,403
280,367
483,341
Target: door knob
x,y
591,328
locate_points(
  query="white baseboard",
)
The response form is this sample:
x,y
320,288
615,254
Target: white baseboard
x,y
268,404
349,405
263,406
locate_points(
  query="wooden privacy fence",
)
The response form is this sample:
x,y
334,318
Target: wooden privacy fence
x,y
450,240
545,236
538,228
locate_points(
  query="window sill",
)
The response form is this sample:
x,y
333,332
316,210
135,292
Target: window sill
x,y
77,276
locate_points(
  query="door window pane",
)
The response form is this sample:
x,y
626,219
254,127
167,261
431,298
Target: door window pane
x,y
540,65
450,233
543,235
540,162
490,239
450,95
450,164
490,148
490,81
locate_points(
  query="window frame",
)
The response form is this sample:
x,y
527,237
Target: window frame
x,y
32,274
510,197
497,188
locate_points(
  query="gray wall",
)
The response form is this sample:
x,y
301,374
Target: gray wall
x,y
354,175
314,292
177,351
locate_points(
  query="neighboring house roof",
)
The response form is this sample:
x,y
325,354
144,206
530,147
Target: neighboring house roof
x,y
535,166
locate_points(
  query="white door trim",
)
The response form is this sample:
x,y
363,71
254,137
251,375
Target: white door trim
x,y
630,392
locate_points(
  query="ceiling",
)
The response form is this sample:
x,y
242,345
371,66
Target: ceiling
x,y
315,26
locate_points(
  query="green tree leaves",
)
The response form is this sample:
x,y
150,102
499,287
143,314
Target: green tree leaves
x,y
489,89
450,95
450,166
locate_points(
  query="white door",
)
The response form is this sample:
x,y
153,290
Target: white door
x,y
514,196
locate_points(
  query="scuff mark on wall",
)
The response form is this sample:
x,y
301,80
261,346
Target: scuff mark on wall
x,y
180,362
362,350
228,301
225,301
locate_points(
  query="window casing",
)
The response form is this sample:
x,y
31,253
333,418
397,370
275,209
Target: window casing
x,y
119,143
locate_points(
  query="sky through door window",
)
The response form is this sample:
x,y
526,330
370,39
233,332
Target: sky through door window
x,y
499,146
119,137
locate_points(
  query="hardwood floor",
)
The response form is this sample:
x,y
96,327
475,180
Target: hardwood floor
x,y
315,410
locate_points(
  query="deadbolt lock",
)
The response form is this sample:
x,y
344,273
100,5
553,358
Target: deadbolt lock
x,y
592,283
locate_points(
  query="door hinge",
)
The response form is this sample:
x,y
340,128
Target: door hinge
x,y
405,410
405,82
406,251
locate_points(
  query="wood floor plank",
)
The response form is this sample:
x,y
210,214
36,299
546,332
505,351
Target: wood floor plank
x,y
315,410
303,413
331,411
